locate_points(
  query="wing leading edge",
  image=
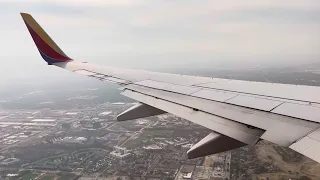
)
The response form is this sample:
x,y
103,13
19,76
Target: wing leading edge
x,y
238,112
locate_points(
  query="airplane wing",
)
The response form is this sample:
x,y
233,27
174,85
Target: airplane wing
x,y
238,112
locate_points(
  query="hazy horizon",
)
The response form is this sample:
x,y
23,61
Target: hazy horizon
x,y
161,36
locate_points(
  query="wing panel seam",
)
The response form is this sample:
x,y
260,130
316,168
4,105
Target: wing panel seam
x,y
257,94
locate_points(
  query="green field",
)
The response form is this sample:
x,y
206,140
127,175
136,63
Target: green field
x,y
66,176
28,175
47,177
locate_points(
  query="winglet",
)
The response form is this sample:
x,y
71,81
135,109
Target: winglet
x,y
48,49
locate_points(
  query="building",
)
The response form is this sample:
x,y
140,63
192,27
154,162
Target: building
x,y
70,140
120,152
153,148
187,171
105,113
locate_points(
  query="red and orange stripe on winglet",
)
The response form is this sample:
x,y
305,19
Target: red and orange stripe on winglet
x,y
48,49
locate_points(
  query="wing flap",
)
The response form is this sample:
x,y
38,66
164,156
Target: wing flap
x,y
273,124
309,146
224,126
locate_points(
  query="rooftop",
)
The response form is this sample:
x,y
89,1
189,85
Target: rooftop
x,y
105,113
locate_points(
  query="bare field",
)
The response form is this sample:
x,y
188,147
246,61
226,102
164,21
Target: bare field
x,y
291,164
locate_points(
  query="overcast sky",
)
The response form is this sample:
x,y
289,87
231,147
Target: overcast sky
x,y
153,34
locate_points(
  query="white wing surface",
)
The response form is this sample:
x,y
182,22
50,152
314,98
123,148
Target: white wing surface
x,y
237,112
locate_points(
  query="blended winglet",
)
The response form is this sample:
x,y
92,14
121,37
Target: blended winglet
x,y
48,49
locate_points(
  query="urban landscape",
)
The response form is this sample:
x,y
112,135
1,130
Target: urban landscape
x,y
90,143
